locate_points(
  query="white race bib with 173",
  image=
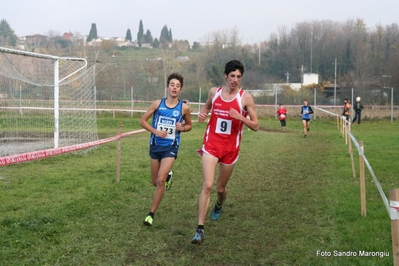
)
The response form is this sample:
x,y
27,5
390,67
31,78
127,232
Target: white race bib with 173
x,y
167,124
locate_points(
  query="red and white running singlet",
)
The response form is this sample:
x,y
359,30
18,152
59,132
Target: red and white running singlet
x,y
224,132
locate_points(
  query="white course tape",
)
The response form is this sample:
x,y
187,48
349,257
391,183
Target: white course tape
x,y
29,156
394,210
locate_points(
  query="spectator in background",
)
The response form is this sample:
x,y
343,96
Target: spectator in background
x,y
358,107
346,109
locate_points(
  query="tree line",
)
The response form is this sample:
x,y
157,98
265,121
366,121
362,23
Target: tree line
x,y
142,38
349,53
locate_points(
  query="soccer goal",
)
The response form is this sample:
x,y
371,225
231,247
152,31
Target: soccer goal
x,y
45,102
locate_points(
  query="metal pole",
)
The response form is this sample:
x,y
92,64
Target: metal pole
x,y
164,75
199,101
20,100
351,112
391,104
311,51
335,81
56,103
132,99
275,101
288,77
314,114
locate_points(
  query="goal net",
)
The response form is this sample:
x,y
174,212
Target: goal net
x,y
45,102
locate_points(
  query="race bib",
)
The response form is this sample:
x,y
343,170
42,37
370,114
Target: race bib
x,y
282,115
167,124
223,126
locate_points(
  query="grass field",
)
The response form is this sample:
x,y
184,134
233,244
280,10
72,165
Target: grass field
x,y
291,201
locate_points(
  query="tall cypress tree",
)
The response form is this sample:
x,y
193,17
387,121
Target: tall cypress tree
x,y
170,38
140,34
128,35
148,37
164,38
93,33
155,44
7,35
164,34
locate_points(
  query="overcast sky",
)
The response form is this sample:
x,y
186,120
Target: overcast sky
x,y
188,20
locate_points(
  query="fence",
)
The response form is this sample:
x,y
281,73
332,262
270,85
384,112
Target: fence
x,y
392,205
370,112
378,103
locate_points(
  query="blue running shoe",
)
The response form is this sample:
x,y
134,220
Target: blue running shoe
x,y
216,213
198,237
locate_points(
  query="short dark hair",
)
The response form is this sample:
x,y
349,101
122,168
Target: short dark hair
x,y
233,65
176,76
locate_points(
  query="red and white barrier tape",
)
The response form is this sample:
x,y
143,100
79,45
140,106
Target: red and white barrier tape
x,y
34,155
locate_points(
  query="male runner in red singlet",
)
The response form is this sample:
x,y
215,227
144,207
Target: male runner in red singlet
x,y
230,108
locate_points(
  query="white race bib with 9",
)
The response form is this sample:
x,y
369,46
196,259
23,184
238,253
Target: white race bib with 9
x,y
223,126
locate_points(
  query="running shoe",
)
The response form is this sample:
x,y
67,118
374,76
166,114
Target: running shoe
x,y
148,220
216,213
198,237
168,183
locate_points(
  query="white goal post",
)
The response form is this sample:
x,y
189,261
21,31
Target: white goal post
x,y
45,101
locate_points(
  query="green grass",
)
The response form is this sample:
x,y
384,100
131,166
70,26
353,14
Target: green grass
x,y
288,198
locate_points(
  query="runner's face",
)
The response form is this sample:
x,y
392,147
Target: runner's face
x,y
233,79
174,87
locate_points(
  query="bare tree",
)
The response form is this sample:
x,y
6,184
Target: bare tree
x,y
53,33
362,57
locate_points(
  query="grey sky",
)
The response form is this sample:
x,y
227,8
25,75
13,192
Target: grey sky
x,y
189,20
